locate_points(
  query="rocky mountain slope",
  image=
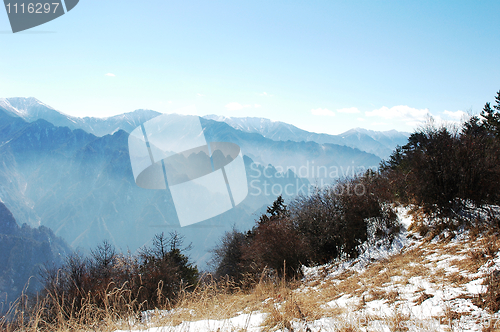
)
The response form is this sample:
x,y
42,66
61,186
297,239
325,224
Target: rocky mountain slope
x,y
25,251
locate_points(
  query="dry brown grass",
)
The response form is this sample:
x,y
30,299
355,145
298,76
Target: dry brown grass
x,y
372,283
348,328
375,294
31,314
292,308
282,301
424,296
373,280
392,296
399,321
484,249
451,316
210,300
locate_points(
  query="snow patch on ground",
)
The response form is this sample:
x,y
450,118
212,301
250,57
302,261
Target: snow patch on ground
x,y
246,322
370,253
430,293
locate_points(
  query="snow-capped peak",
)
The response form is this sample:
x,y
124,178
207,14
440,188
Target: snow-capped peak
x,y
5,104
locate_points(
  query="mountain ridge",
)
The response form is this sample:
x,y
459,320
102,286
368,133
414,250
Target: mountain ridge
x,y
379,143
31,109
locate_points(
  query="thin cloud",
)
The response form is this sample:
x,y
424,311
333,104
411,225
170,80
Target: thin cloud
x,y
235,106
257,105
200,95
110,75
409,115
458,115
263,94
350,110
322,111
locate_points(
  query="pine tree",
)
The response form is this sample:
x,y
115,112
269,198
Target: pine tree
x,y
278,209
497,100
491,116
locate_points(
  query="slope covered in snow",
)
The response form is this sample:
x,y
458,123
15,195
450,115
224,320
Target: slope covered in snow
x,y
415,284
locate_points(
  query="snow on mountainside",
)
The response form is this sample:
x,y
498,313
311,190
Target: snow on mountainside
x,y
4,103
127,122
31,109
412,285
257,125
379,143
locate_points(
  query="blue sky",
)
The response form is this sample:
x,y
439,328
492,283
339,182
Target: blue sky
x,y
324,66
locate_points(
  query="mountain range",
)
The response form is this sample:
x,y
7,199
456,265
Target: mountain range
x,y
31,109
74,176
380,143
82,187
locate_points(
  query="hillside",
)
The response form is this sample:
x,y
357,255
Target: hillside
x,y
412,246
82,187
415,285
445,283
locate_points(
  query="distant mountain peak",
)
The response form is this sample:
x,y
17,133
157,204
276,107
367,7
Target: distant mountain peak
x,y
364,130
144,110
23,105
24,102
5,104
215,117
31,109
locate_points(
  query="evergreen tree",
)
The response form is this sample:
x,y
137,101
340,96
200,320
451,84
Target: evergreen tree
x,y
491,116
278,209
